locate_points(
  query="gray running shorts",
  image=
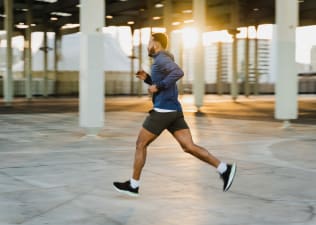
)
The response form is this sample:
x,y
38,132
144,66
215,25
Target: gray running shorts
x,y
156,122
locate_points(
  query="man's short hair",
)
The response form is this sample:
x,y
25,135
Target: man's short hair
x,y
161,38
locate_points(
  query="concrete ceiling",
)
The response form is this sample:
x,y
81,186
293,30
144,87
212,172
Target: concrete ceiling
x,y
221,14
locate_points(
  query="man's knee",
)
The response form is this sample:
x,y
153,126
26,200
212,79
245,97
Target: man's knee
x,y
188,147
141,144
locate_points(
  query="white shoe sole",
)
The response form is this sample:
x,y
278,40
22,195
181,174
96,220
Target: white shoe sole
x,y
231,176
126,192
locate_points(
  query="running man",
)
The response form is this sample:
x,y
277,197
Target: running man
x,y
167,114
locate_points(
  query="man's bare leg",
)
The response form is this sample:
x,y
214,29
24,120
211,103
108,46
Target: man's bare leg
x,y
144,139
227,171
184,138
131,186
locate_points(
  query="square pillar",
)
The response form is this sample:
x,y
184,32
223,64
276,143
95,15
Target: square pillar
x,y
45,83
28,53
286,74
8,79
199,15
91,102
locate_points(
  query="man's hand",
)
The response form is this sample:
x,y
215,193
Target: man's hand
x,y
152,89
141,74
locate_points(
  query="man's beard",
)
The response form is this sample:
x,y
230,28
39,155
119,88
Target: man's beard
x,y
151,52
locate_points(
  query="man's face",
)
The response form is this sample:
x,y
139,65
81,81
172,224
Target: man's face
x,y
151,47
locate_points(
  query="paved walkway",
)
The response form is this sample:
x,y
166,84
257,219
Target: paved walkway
x,y
50,173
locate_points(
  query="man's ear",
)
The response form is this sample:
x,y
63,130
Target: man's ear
x,y
155,44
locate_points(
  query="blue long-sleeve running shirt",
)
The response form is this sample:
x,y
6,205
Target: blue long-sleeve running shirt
x,y
164,74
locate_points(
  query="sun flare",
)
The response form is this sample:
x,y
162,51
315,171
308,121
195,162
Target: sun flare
x,y
189,37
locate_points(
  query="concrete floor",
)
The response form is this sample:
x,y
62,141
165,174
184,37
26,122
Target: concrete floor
x,y
50,173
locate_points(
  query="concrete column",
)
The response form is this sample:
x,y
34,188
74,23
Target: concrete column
x,y
28,53
199,12
219,71
167,16
234,90
246,78
132,66
57,49
45,83
286,82
313,58
256,65
140,62
8,79
57,52
175,40
180,63
234,86
91,108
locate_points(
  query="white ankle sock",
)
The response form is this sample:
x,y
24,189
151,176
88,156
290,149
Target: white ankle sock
x,y
222,167
134,183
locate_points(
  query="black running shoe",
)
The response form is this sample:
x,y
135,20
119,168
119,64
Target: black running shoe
x,y
126,188
228,176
